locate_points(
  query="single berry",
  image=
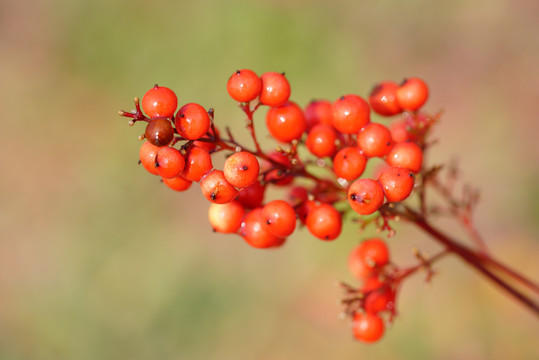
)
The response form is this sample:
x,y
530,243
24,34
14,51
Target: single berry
x,y
400,131
374,140
286,122
275,89
412,93
192,121
147,155
349,163
365,196
255,234
383,99
252,196
159,132
197,163
241,169
244,85
226,218
397,183
379,296
367,258
368,327
280,218
318,112
178,183
321,140
169,162
407,155
159,101
216,189
350,114
324,222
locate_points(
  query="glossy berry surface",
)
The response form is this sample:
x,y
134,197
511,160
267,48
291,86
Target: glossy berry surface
x,y
368,327
192,121
159,101
324,222
373,252
350,114
255,234
318,112
321,140
349,163
280,218
252,196
159,132
226,218
374,140
241,169
407,155
244,85
216,189
147,156
365,196
400,131
169,162
397,183
178,183
412,93
197,163
275,89
286,122
383,99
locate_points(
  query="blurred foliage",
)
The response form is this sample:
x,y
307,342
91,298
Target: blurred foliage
x,y
98,261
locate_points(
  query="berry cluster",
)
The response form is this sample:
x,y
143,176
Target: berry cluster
x,y
342,139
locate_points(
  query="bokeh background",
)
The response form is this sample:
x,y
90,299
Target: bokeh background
x,y
98,260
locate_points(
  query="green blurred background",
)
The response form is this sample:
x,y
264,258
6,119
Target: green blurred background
x,y
98,260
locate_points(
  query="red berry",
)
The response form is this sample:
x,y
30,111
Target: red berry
x,y
252,196
412,93
244,85
169,162
318,112
275,89
297,195
159,101
400,132
192,121
197,163
324,222
374,140
286,122
379,296
368,327
383,99
147,155
304,209
226,218
349,163
321,140
216,189
178,183
241,169
366,258
407,155
350,114
365,196
397,183
159,132
280,218
255,234
278,176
